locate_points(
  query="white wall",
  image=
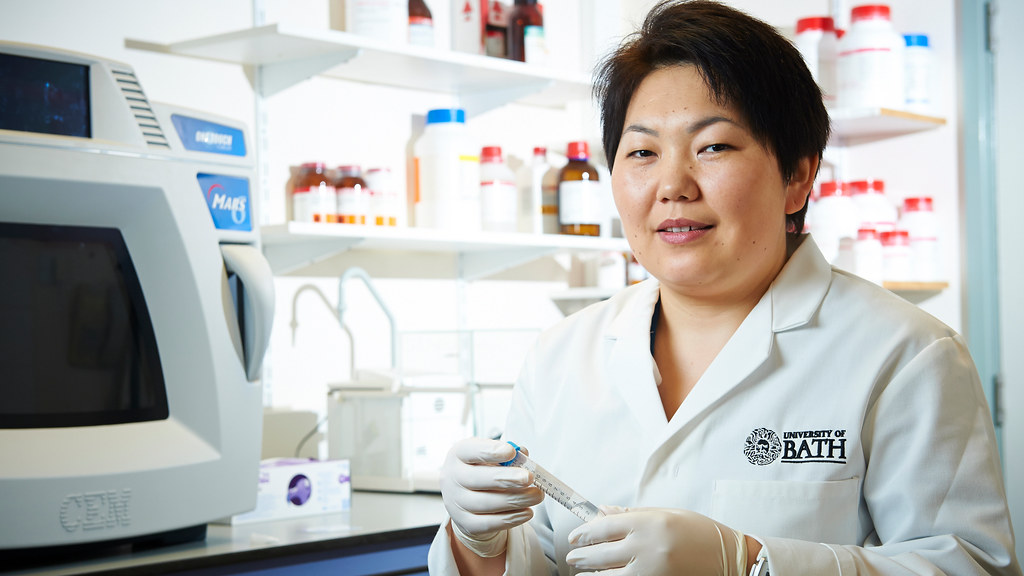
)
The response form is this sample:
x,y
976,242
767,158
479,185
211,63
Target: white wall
x,y
1009,48
342,122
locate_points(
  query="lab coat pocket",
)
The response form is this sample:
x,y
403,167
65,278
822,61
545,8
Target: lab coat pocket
x,y
815,511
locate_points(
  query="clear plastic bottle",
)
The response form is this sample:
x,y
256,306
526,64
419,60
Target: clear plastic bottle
x,y
447,173
526,33
421,24
353,195
870,63
313,195
919,71
499,197
817,42
581,205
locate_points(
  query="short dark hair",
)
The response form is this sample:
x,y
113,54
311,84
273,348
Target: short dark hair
x,y
745,63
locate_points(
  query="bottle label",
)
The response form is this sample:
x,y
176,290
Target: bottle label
x,y
421,31
499,205
352,205
535,50
580,202
314,204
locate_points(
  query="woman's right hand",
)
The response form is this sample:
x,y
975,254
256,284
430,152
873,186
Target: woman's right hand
x,y
483,498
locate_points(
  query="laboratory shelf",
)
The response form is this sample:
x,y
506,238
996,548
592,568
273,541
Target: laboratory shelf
x,y
287,55
314,249
851,126
916,292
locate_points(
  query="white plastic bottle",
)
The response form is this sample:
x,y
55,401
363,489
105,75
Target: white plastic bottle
x,y
817,42
530,180
467,26
384,20
447,173
919,71
922,227
870,62
499,197
834,218
867,255
874,209
896,256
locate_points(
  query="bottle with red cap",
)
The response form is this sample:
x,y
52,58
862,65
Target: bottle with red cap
x,y
870,63
499,197
817,42
922,227
867,255
896,256
874,210
581,206
834,218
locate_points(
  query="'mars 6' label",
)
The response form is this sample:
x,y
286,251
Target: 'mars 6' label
x,y
227,197
100,510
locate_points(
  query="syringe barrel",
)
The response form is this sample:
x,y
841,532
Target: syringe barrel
x,y
555,488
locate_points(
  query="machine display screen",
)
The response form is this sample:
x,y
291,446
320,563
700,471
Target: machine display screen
x,y
77,346
44,96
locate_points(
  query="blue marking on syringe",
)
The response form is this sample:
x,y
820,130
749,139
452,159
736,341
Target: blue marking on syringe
x,y
555,488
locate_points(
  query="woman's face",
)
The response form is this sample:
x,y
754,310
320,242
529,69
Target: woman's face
x,y
702,203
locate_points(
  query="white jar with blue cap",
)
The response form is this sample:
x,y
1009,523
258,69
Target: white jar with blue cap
x,y
919,74
447,173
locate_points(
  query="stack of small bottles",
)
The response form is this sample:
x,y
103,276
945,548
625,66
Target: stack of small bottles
x,y
345,195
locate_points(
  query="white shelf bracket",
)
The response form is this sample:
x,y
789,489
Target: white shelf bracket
x,y
476,102
276,77
288,257
475,265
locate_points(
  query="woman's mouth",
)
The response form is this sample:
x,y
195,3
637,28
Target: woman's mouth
x,y
682,231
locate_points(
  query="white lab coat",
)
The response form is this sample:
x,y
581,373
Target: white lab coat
x,y
840,425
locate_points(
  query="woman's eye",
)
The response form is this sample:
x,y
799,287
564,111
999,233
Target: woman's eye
x,y
716,148
641,153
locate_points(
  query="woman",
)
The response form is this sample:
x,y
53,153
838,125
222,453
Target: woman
x,y
753,409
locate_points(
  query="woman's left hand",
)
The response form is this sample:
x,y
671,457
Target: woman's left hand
x,y
656,541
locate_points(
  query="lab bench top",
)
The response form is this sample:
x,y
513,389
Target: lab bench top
x,y
380,533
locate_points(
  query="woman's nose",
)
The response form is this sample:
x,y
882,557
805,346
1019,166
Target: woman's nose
x,y
677,182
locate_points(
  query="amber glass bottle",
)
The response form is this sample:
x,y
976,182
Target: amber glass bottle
x,y
525,32
580,205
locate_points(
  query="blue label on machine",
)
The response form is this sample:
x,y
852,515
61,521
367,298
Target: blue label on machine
x,y
202,136
227,197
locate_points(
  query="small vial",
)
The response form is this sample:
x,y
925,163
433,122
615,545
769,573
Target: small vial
x,y
918,74
421,24
817,42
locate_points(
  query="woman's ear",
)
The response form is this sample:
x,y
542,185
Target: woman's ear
x,y
799,186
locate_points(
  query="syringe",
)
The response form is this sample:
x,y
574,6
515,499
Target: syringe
x,y
555,488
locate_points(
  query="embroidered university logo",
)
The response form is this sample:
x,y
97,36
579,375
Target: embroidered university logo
x,y
762,447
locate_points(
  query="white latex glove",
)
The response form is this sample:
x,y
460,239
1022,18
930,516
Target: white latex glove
x,y
656,541
483,498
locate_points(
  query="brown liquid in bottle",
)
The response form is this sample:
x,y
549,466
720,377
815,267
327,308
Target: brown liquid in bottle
x,y
579,204
524,13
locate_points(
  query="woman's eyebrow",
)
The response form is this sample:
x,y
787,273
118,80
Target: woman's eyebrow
x,y
640,129
708,121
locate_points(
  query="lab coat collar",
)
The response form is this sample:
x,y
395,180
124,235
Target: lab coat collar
x,y
791,301
801,285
